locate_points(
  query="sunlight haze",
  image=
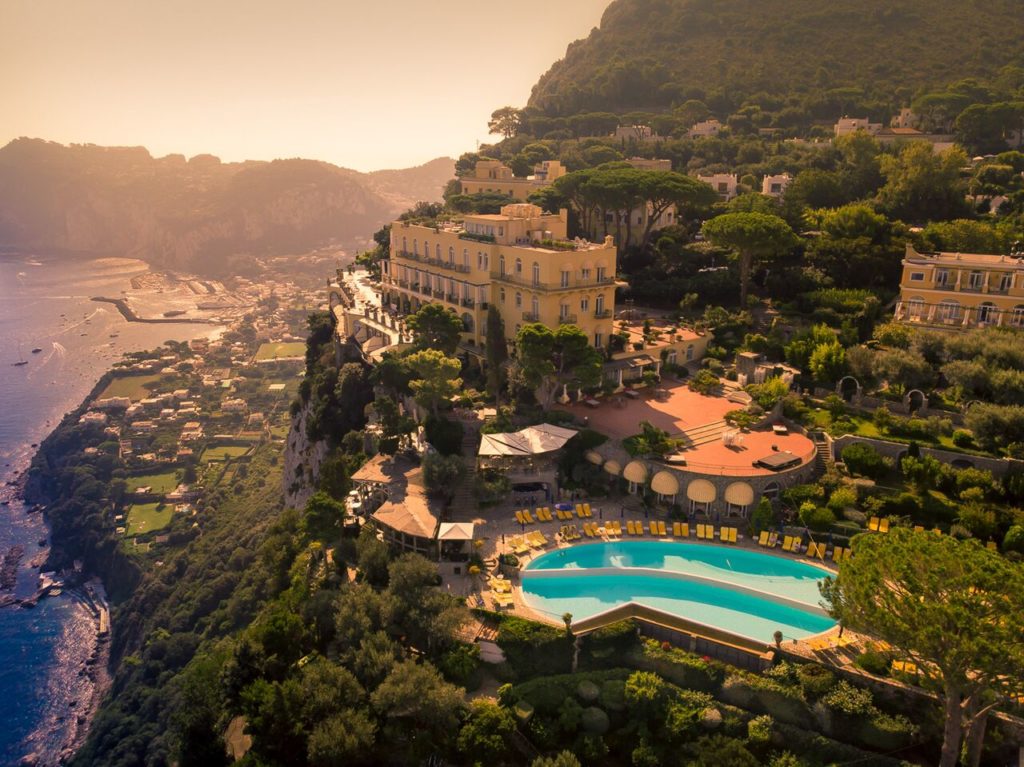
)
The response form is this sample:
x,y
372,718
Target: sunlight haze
x,y
385,84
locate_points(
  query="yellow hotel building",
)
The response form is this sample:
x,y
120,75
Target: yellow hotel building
x,y
519,260
962,290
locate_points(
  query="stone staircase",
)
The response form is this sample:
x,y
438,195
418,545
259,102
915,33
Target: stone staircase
x,y
705,433
823,459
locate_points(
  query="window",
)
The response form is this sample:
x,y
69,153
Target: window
x,y
536,273
915,308
941,277
519,267
689,353
405,245
501,265
501,229
975,280
599,305
415,248
563,311
584,304
451,255
437,252
1017,318
426,249
601,274
917,276
501,295
585,273
987,313
564,279
535,307
948,311
519,300
1005,281
672,357
598,340
465,257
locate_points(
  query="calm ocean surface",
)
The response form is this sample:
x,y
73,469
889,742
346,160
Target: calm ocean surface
x,y
44,303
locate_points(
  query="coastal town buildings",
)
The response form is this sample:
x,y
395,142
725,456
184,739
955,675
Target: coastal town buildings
x,y
962,290
494,177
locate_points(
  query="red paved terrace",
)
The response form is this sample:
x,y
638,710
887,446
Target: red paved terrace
x,y
684,413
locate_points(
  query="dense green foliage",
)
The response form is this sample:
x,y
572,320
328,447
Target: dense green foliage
x,y
793,59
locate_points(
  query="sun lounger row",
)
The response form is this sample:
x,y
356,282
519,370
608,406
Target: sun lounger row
x,y
879,524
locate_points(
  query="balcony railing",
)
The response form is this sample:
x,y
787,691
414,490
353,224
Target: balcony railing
x,y
603,314
531,317
529,282
567,319
468,302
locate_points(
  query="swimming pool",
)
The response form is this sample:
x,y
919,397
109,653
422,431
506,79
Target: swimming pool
x,y
746,593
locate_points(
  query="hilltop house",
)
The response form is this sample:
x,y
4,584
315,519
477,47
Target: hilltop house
x,y
723,183
497,178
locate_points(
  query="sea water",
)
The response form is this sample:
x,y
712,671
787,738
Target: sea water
x,y
45,303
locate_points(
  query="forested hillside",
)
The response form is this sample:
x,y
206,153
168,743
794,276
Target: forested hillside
x,y
826,58
197,214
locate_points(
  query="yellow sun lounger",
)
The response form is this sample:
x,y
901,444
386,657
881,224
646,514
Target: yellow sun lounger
x,y
519,545
684,530
883,525
873,523
520,518
586,510
918,528
787,543
700,531
709,532
617,526
661,530
837,554
640,529
579,511
528,517
773,540
733,532
762,539
677,530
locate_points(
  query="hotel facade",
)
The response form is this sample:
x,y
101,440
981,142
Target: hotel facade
x,y
962,290
519,260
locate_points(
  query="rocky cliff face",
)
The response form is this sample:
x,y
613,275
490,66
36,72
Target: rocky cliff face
x,y
198,214
302,460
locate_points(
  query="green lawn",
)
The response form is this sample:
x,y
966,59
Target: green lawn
x,y
223,452
135,387
281,350
160,483
147,517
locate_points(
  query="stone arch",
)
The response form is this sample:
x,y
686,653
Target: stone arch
x,y
961,463
915,400
772,490
842,388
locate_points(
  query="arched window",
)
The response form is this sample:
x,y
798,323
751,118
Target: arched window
x,y
437,251
519,300
405,245
426,249
599,304
501,265
987,312
415,248
536,273
535,308
501,295
465,257
1017,318
915,308
451,255
519,267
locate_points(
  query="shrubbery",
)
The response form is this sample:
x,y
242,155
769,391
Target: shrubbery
x,y
864,460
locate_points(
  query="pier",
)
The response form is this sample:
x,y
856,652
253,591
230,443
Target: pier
x,y
131,316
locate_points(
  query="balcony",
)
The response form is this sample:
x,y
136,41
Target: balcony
x,y
469,303
531,317
403,284
603,314
438,293
567,319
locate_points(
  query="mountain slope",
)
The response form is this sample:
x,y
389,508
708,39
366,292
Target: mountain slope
x,y
653,53
192,214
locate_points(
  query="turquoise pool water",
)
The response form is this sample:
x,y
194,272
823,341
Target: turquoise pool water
x,y
744,592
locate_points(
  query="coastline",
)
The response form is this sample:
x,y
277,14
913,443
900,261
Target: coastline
x,y
84,588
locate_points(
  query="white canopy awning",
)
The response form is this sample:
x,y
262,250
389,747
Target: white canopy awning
x,y
739,494
455,531
613,468
665,483
533,440
635,472
701,491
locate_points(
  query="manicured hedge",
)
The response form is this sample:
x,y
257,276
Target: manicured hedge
x,y
677,666
763,695
534,649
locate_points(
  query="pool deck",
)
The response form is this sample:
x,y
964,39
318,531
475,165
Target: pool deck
x,y
496,526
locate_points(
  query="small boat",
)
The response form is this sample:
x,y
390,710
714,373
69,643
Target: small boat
x,y
37,350
19,363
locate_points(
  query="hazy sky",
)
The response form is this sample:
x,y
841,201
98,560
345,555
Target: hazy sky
x,y
367,85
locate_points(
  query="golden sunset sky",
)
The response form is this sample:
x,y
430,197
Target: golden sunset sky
x,y
366,85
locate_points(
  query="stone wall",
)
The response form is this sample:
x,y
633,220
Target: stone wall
x,y
896,450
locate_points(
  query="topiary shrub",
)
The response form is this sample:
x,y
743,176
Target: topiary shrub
x,y
534,649
887,733
815,680
613,695
594,721
864,460
759,729
587,691
816,517
962,438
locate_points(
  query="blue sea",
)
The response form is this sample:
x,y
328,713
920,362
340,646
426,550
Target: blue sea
x,y
45,304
